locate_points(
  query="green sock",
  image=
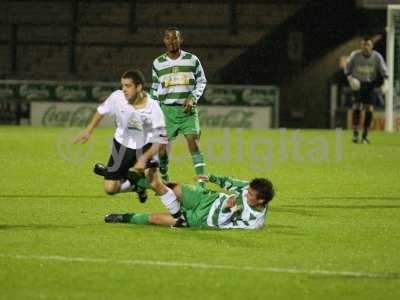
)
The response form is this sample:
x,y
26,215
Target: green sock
x,y
139,218
164,168
138,179
199,165
143,183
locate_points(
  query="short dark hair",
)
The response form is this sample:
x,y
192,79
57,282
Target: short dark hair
x,y
136,76
174,29
264,189
368,37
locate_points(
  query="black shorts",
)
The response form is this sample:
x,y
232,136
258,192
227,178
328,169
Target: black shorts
x,y
366,93
122,159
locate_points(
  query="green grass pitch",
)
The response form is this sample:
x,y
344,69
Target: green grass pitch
x,y
332,232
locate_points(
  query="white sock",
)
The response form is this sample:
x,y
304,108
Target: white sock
x,y
170,202
126,186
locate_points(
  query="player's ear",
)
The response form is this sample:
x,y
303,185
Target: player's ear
x,y
261,201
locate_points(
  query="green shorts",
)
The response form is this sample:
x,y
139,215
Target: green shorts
x,y
178,121
196,203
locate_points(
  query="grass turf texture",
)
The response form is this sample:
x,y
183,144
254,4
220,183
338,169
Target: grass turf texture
x,y
337,209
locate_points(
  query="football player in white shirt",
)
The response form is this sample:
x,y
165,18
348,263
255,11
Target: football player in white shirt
x,y
140,130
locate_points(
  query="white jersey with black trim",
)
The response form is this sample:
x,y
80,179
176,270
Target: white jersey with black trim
x,y
135,127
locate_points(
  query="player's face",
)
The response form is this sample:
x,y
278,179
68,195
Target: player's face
x,y
172,40
130,89
252,197
367,47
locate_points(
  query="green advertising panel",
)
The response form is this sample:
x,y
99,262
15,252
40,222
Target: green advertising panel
x,y
95,92
78,114
55,91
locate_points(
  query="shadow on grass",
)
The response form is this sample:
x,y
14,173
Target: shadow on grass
x,y
301,212
229,237
372,276
283,229
45,226
206,232
385,144
345,206
268,229
54,196
33,226
353,198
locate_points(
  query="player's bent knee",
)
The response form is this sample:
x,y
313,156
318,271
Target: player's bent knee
x,y
109,191
157,186
111,188
154,219
161,219
177,191
162,151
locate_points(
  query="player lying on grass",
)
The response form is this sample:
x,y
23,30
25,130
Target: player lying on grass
x,y
245,207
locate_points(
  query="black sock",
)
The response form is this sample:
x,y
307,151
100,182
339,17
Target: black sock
x,y
138,180
133,177
126,218
177,214
367,123
356,119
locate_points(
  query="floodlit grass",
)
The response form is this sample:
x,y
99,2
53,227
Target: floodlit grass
x,y
337,210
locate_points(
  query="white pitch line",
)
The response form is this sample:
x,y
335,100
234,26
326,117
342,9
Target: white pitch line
x,y
377,275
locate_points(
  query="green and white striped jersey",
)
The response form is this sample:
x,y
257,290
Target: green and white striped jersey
x,y
242,215
175,80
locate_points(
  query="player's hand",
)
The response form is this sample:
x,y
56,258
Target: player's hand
x,y
140,165
354,83
83,137
188,105
230,202
384,87
202,178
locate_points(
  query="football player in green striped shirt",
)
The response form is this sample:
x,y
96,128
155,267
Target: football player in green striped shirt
x,y
178,81
243,207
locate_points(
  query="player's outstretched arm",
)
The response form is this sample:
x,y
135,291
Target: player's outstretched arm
x,y
201,81
84,136
155,83
225,182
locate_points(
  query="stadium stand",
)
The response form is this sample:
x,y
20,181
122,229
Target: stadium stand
x,y
4,61
109,39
